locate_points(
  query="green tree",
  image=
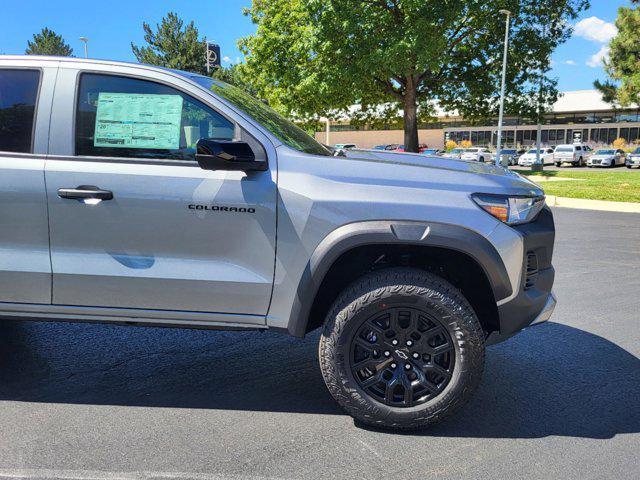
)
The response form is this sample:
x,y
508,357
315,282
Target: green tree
x,y
623,66
47,42
235,75
319,57
173,45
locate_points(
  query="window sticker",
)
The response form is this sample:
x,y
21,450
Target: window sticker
x,y
138,120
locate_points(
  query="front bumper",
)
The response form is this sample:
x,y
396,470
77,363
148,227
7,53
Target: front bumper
x,y
534,301
600,162
547,311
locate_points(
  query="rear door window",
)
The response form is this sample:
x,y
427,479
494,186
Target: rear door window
x,y
18,97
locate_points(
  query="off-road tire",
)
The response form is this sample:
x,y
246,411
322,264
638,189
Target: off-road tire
x,y
429,292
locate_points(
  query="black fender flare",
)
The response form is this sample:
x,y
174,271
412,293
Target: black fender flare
x,y
347,237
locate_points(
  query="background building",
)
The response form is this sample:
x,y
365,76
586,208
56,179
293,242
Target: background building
x,y
578,114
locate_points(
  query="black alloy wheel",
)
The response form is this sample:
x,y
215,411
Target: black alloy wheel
x,y
402,356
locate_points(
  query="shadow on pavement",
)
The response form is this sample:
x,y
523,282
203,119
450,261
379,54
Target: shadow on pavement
x,y
549,380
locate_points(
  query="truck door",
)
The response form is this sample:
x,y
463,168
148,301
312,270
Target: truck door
x,y
25,99
136,224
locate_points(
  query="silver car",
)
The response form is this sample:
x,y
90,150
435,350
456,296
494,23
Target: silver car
x,y
137,195
607,157
633,159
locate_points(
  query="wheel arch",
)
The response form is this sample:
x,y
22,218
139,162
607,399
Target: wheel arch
x,y
347,250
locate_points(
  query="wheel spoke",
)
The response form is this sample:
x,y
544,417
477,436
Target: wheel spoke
x,y
372,380
439,370
424,381
366,344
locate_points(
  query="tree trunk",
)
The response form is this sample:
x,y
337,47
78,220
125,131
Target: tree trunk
x,y
410,117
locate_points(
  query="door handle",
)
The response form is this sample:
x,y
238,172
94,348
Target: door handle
x,y
85,192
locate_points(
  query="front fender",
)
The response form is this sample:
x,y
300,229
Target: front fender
x,y
353,235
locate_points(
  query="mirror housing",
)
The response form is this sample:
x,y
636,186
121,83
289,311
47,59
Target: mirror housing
x,y
213,154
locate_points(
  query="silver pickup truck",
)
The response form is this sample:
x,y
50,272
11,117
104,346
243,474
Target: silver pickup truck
x,y
138,195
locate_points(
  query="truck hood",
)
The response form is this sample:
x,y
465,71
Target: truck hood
x,y
501,179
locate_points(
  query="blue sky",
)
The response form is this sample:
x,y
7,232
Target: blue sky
x,y
113,24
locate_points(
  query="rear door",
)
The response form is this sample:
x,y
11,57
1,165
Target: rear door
x,y
25,99
172,237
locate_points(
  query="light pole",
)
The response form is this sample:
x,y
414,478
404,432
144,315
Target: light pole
x,y
85,40
504,76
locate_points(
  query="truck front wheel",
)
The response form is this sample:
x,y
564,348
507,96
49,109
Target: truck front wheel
x,y
401,348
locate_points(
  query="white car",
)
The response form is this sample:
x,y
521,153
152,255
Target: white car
x,y
477,154
607,158
342,147
633,159
576,154
455,153
530,157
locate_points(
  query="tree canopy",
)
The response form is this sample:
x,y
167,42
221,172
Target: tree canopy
x,y
47,42
623,66
320,57
173,45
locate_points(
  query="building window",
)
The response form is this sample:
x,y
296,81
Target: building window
x,y
604,117
584,118
624,133
627,117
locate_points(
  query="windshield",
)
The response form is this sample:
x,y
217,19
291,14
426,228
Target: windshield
x,y
471,150
637,150
288,133
456,150
533,150
605,152
564,149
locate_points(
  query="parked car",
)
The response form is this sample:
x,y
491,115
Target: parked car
x,y
394,147
432,151
455,153
633,159
138,195
477,154
576,154
608,157
343,147
531,157
509,157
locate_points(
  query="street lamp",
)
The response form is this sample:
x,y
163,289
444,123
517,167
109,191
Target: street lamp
x,y
504,75
86,50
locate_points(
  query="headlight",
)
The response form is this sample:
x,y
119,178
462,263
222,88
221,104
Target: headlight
x,y
512,210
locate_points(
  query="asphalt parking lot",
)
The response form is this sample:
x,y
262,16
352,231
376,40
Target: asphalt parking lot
x,y
561,400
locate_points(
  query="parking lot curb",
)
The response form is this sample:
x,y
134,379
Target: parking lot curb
x,y
584,204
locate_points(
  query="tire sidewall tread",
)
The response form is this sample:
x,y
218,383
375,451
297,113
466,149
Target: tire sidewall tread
x,y
463,326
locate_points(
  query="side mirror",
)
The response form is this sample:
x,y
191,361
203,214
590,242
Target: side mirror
x,y
227,155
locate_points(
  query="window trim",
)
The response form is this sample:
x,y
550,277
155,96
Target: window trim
x,y
133,160
40,71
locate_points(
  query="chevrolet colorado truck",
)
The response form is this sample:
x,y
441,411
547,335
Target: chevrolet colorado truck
x,y
138,195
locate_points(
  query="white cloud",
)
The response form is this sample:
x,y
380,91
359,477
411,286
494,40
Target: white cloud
x,y
595,29
569,62
597,58
226,59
